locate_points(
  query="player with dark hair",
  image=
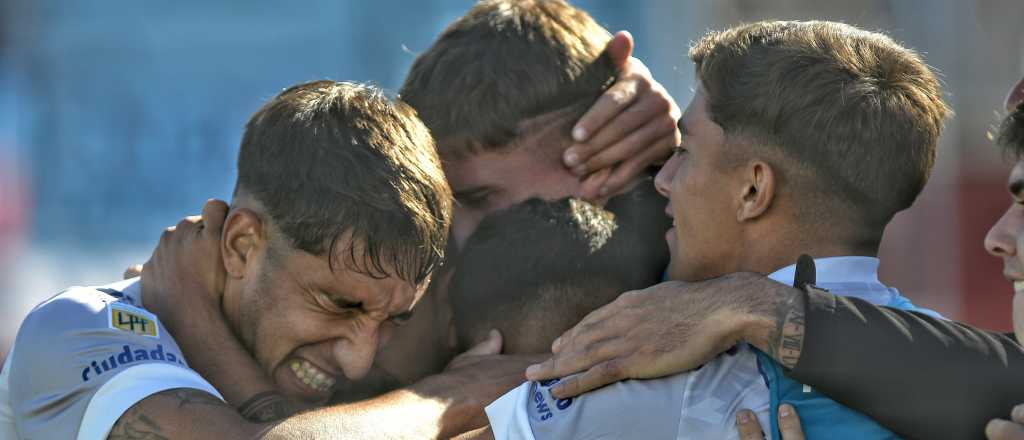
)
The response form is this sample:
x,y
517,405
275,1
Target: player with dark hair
x,y
339,217
802,138
501,89
535,269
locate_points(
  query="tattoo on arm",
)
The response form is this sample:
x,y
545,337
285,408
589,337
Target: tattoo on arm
x,y
787,342
135,424
267,407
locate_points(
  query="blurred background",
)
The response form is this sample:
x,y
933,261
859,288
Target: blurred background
x,y
118,118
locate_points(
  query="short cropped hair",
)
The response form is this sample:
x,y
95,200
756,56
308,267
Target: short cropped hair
x,y
1010,136
854,110
502,63
537,268
329,160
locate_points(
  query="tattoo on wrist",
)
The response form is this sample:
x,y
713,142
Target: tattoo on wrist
x,y
267,407
787,342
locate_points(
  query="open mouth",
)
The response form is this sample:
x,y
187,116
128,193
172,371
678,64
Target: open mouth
x,y
311,376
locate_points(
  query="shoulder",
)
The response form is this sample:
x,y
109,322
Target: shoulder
x,y
82,311
632,408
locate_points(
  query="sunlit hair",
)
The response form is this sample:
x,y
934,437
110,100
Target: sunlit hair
x,y
503,62
338,162
854,114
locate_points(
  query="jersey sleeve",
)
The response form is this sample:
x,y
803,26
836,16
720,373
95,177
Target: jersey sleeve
x,y
85,357
629,409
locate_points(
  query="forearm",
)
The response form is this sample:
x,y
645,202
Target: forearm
x,y
401,414
771,317
902,367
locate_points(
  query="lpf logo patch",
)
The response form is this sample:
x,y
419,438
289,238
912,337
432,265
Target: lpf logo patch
x,y
133,319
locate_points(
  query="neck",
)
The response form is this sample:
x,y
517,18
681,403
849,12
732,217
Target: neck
x,y
768,253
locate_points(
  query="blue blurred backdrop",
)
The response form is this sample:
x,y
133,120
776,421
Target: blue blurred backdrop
x,y
119,117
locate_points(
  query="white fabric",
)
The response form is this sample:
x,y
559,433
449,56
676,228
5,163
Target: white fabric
x,y
507,422
708,397
129,387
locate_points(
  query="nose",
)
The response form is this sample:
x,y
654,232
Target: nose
x,y
355,352
663,181
1001,240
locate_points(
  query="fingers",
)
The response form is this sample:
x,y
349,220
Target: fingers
x,y
602,374
998,429
613,101
629,133
590,186
625,172
132,271
748,426
214,213
789,423
620,48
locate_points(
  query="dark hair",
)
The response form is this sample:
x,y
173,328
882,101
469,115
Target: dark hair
x,y
503,62
1010,136
537,268
853,110
329,160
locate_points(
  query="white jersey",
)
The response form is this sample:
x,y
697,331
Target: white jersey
x,y
83,358
700,404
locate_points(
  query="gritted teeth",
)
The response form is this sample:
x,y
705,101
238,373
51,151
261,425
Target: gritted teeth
x,y
312,376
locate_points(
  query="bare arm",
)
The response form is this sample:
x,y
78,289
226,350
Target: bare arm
x,y
182,413
673,327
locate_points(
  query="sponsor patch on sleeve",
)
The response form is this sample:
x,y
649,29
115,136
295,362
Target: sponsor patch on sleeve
x,y
131,319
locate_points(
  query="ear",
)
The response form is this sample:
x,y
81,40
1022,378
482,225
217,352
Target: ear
x,y
242,236
757,192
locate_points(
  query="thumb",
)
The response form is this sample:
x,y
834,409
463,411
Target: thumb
x,y
491,345
620,48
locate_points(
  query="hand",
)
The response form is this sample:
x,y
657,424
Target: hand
x,y
664,329
473,380
999,429
789,424
186,268
630,127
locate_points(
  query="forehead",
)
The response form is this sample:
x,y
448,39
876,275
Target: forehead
x,y
342,279
696,120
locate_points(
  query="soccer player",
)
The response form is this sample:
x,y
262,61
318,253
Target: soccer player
x,y
501,89
803,137
896,366
339,218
